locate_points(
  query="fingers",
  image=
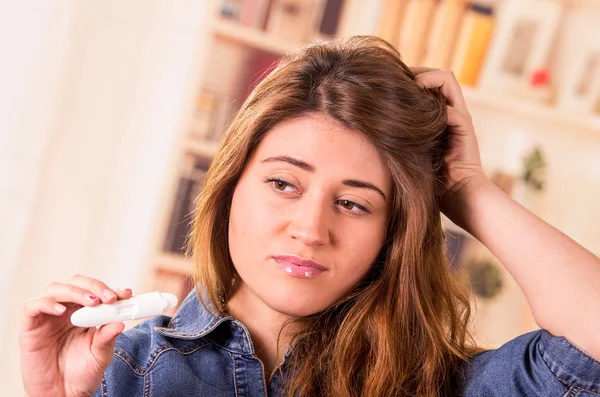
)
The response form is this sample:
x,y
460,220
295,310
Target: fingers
x,y
79,290
124,293
446,82
457,119
71,293
34,307
421,69
103,342
61,292
96,287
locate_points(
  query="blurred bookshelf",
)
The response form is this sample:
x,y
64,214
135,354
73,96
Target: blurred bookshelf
x,y
504,58
252,37
522,108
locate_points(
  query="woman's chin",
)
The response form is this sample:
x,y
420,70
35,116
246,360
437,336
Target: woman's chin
x,y
296,305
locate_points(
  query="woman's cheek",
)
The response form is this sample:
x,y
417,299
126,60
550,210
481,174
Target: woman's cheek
x,y
273,211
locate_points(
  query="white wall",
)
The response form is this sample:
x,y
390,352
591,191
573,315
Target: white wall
x,y
33,39
94,103
569,201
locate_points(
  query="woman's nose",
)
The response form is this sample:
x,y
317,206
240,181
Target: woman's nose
x,y
311,222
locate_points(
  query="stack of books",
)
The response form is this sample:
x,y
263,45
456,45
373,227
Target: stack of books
x,y
295,20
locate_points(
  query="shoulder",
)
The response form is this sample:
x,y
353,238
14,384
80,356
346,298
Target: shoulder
x,y
137,351
143,344
533,364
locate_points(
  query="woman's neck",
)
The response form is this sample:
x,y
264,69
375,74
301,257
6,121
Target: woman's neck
x,y
263,323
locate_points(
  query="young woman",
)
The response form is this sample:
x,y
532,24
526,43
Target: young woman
x,y
320,256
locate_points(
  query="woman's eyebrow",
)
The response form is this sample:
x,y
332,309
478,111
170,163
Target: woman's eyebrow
x,y
308,167
364,185
290,160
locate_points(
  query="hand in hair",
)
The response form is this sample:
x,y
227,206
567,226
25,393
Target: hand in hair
x,y
462,170
558,276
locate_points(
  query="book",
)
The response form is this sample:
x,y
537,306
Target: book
x,y
204,115
473,43
444,33
360,18
230,9
188,190
414,30
389,26
258,65
254,13
292,20
330,18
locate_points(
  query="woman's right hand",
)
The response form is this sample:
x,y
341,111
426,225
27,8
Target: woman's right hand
x,y
57,358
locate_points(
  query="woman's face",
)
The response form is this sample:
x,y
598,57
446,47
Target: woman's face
x,y
313,190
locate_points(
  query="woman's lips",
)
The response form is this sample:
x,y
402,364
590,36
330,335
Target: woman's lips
x,y
298,267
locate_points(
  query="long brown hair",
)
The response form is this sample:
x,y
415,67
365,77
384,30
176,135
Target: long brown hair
x,y
403,330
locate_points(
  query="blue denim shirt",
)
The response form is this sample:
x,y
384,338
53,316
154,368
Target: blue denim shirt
x,y
198,354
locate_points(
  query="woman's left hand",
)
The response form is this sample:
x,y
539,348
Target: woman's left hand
x,y
462,168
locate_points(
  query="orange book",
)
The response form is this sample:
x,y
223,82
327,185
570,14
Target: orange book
x,y
473,43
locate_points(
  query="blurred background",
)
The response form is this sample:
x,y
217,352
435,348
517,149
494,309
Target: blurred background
x,y
111,112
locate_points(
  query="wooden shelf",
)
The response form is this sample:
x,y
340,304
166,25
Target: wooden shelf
x,y
530,110
510,105
174,262
594,4
252,37
201,148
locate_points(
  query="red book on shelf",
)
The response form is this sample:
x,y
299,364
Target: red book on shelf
x,y
253,13
259,64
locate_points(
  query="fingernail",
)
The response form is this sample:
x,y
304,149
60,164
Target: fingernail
x,y
59,308
108,294
91,297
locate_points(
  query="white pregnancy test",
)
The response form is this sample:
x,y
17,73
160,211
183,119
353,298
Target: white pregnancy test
x,y
137,307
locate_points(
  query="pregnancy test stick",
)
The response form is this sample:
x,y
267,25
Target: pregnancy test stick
x,y
137,307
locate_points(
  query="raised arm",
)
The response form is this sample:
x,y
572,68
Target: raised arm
x,y
560,278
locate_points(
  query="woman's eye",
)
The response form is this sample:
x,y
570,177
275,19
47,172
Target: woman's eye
x,y
278,184
349,205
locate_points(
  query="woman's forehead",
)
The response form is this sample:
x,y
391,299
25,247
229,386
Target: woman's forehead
x,y
322,139
326,146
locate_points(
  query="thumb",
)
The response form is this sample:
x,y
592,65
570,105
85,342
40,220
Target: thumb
x,y
103,342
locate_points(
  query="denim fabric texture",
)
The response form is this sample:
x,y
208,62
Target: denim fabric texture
x,y
195,353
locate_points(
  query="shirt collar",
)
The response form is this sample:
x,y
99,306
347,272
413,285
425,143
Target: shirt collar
x,y
192,320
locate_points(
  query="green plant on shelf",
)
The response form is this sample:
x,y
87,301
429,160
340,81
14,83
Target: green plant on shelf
x,y
485,278
534,168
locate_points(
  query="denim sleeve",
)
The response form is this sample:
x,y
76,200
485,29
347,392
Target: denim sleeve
x,y
534,364
120,381
125,377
